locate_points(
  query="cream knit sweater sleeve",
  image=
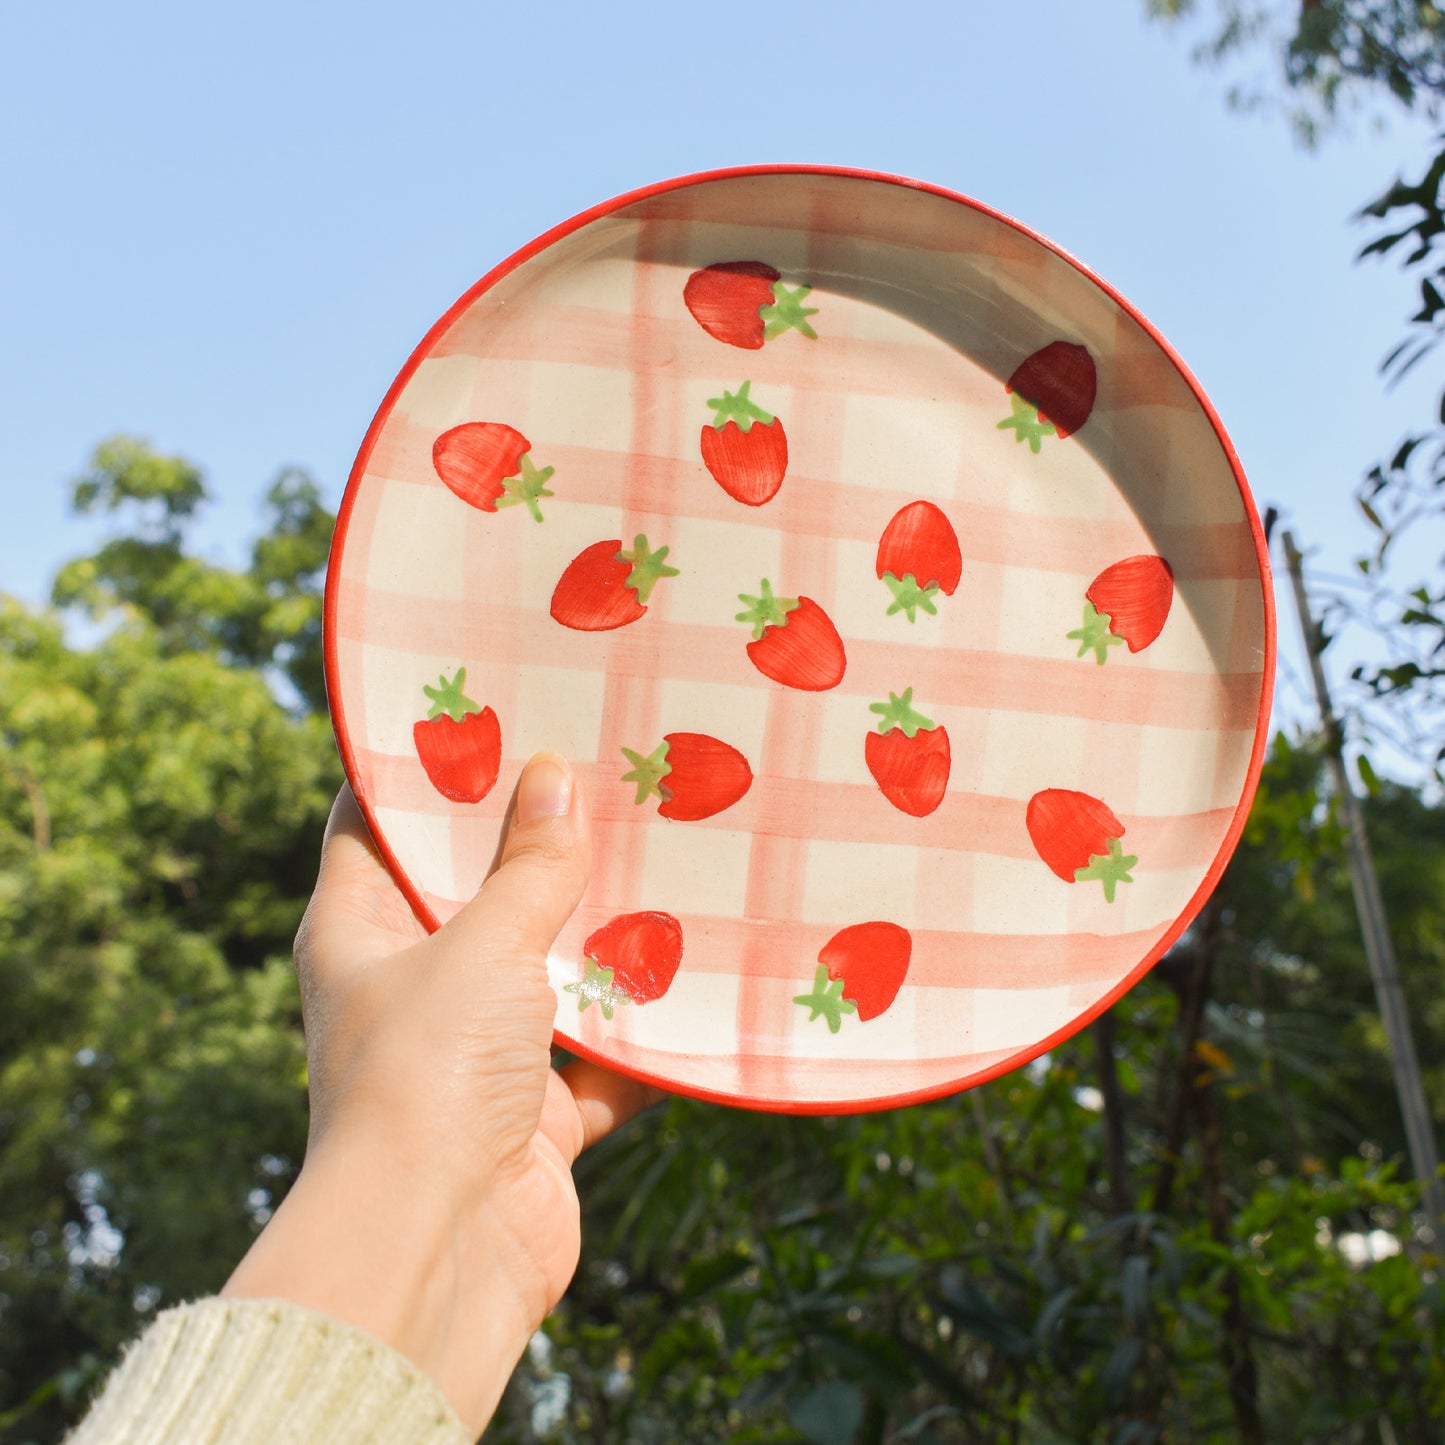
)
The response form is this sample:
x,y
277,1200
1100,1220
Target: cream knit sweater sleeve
x,y
244,1372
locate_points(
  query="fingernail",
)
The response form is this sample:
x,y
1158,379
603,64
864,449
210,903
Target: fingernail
x,y
545,789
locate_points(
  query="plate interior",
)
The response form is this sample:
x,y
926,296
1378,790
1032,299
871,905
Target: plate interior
x,y
923,309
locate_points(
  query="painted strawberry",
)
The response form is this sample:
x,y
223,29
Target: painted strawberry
x,y
486,463
1078,837
1128,602
918,557
745,303
693,774
459,742
860,969
1053,393
908,755
604,587
794,641
632,959
745,448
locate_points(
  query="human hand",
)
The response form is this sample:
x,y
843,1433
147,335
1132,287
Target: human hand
x,y
435,1207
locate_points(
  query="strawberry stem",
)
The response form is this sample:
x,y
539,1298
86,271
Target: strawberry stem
x,y
1095,634
1027,422
525,489
648,772
648,567
765,610
826,1000
738,406
1110,869
908,596
898,712
448,697
596,986
787,313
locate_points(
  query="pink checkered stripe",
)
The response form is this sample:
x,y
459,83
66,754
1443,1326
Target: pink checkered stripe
x,y
986,983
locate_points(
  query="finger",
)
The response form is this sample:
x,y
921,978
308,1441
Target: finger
x,y
347,846
354,893
545,863
605,1100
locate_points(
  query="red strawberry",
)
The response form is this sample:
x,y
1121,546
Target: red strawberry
x,y
695,776
1127,602
794,641
908,756
486,464
459,742
918,556
632,959
867,963
605,587
745,303
1053,393
1078,837
745,448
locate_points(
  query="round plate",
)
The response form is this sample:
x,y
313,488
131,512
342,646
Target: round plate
x,y
893,588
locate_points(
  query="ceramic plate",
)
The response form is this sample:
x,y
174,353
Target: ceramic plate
x,y
893,587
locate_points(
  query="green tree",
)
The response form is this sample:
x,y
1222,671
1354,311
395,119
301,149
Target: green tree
x,y
1141,1239
162,793
1336,59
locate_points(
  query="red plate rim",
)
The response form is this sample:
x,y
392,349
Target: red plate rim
x,y
1261,737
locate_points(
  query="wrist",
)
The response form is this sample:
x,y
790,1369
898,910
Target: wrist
x,y
398,1258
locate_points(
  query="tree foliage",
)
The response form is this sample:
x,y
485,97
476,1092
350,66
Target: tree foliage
x,y
1163,1232
1334,58
160,813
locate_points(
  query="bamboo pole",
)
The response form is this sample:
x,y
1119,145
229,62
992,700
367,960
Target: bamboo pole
x,y
1374,927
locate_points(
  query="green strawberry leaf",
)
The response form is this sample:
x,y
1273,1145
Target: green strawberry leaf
x,y
908,596
765,610
1027,422
1110,869
826,1000
787,313
738,406
447,697
526,489
648,772
1095,634
596,986
648,567
898,712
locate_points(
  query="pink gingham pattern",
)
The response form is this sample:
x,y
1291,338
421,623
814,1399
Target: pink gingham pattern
x,y
925,305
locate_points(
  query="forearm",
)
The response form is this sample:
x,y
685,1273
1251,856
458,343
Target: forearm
x,y
398,1258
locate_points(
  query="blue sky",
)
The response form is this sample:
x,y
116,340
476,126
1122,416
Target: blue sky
x,y
227,226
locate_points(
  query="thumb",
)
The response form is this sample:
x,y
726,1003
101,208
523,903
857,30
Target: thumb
x,y
546,861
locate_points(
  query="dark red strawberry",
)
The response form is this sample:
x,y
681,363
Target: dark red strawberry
x,y
459,742
794,641
908,755
1127,602
745,448
866,964
693,774
1078,837
1053,393
745,303
605,587
632,959
918,556
486,464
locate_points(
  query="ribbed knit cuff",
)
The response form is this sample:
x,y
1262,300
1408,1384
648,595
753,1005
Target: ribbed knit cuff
x,y
233,1372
